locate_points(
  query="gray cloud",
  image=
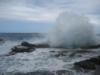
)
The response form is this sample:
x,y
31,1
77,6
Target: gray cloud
x,y
47,9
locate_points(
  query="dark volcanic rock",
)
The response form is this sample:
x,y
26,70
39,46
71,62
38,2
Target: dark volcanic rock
x,y
26,44
97,71
26,47
72,54
59,53
42,72
64,72
42,46
91,47
1,39
88,64
33,73
19,49
35,45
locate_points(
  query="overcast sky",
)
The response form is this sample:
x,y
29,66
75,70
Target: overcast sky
x,y
40,15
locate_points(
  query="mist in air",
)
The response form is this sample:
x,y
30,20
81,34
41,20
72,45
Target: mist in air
x,y
72,31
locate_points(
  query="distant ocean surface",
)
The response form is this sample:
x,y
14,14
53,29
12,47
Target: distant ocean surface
x,y
20,36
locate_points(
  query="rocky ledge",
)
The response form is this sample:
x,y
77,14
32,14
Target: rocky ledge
x,y
89,64
1,39
20,49
26,47
42,72
35,45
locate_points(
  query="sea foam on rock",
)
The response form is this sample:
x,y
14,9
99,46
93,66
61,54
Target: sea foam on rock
x,y
72,31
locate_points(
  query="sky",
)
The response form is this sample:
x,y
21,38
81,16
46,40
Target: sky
x,y
40,15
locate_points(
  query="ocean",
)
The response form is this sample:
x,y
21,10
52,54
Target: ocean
x,y
42,59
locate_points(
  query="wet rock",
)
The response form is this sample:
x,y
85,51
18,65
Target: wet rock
x,y
19,49
52,51
1,39
97,71
33,73
81,51
25,47
72,54
27,44
60,53
79,55
84,51
42,46
42,72
64,72
57,55
91,47
35,45
88,64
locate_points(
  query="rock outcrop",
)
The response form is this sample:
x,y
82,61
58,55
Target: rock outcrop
x,y
26,44
20,48
42,72
64,72
1,39
24,47
35,45
91,47
97,71
88,64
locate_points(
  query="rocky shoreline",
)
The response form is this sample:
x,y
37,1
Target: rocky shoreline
x,y
42,72
89,63
28,47
92,64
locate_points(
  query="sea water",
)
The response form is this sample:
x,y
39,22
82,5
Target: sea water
x,y
40,59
